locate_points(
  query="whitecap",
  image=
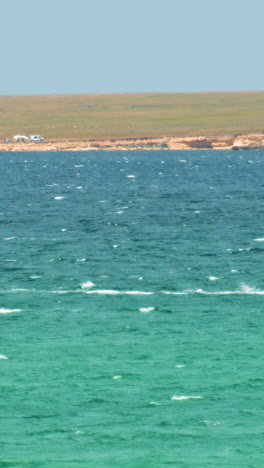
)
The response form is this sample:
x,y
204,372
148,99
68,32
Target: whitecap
x,y
131,176
143,293
213,423
146,310
185,397
155,403
3,310
58,198
2,356
175,293
81,260
244,290
87,284
9,238
213,278
248,289
103,291
260,239
117,377
114,291
180,365
59,291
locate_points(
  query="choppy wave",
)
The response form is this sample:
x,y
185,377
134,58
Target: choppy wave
x,y
86,288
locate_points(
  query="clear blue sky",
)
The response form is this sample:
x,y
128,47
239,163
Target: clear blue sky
x,y
115,46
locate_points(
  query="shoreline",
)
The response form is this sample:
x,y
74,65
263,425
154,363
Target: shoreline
x,y
245,141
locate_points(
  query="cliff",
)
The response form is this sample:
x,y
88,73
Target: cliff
x,y
237,142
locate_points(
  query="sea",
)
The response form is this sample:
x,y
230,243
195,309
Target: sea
x,y
132,309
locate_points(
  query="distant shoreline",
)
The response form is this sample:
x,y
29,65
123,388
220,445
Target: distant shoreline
x,y
245,141
120,120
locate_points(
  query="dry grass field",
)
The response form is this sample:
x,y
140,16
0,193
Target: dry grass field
x,y
81,117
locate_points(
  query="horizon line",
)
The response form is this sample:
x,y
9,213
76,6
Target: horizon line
x,y
132,93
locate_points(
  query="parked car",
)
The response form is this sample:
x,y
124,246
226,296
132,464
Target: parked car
x,y
36,138
20,138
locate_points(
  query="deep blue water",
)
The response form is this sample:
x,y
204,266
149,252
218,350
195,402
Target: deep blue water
x,y
132,309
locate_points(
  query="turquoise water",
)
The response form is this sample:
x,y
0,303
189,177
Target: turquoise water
x,y
132,309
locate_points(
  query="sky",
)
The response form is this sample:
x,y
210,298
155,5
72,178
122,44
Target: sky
x,y
131,46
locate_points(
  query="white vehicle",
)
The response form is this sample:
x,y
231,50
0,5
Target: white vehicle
x,y
20,138
36,138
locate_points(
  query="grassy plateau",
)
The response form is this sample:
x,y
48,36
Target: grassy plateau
x,y
84,117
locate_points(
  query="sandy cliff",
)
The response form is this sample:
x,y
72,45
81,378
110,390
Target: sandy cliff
x,y
238,142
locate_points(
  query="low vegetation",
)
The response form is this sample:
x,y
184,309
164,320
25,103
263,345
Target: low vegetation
x,y
83,117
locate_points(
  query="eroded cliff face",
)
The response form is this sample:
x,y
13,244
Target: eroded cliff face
x,y
237,142
250,141
201,142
